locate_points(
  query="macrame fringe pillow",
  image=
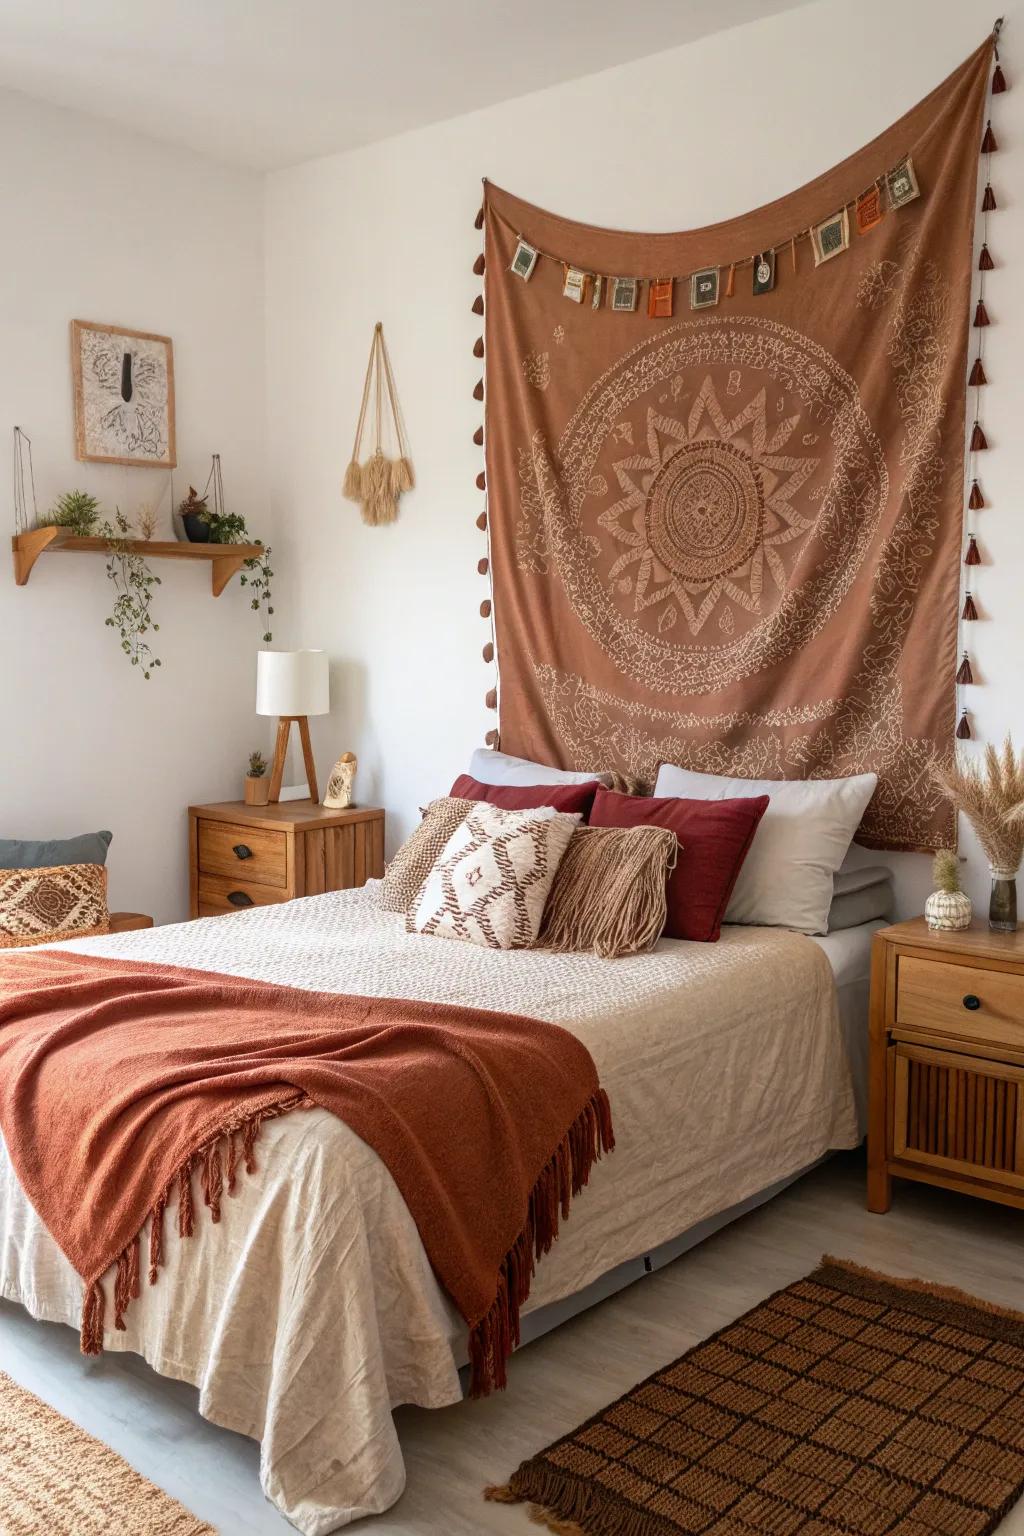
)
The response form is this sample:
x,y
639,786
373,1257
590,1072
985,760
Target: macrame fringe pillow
x,y
608,897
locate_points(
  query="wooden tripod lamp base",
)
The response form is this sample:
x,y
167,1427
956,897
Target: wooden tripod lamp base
x,y
284,729
292,685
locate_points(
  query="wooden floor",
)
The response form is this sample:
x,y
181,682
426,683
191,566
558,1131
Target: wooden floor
x,y
556,1381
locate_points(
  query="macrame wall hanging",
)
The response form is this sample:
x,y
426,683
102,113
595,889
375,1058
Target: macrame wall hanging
x,y
377,484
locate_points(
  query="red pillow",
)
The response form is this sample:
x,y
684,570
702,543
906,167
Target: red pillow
x,y
715,837
527,797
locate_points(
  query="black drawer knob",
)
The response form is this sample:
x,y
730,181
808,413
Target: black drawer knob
x,y
242,851
972,1002
240,898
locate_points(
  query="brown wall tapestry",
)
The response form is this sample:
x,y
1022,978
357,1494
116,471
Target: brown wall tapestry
x,y
725,475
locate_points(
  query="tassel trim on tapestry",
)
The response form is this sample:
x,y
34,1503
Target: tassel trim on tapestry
x,y
378,483
209,1160
566,1172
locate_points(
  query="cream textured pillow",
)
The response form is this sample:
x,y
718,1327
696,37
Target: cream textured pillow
x,y
40,906
418,854
803,837
491,882
609,895
499,768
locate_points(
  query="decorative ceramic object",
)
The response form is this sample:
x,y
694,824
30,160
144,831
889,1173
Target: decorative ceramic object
x,y
947,908
339,785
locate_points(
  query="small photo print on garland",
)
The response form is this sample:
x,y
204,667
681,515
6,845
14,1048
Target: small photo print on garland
x,y
830,237
625,292
524,261
764,272
901,184
704,289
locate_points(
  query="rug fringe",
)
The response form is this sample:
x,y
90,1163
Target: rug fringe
x,y
571,1508
493,1338
924,1288
207,1158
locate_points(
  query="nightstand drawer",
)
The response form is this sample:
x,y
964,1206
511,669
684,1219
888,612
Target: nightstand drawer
x,y
974,1005
957,1113
222,893
256,856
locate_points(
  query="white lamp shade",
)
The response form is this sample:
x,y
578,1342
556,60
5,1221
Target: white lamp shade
x,y
292,683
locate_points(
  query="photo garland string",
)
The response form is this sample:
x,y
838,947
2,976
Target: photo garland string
x,y
829,238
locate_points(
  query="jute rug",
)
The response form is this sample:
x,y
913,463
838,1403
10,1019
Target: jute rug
x,y
55,1480
847,1403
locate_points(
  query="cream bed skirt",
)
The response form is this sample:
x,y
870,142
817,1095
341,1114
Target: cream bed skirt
x,y
311,1309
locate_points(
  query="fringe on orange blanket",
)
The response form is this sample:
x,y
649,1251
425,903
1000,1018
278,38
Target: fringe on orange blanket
x,y
496,1335
208,1160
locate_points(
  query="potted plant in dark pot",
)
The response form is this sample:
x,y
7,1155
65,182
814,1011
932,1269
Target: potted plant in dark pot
x,y
195,517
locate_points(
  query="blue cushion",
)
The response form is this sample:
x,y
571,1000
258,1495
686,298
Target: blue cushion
x,y
21,853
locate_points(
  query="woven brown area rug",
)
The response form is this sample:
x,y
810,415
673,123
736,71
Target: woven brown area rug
x,y
847,1403
55,1480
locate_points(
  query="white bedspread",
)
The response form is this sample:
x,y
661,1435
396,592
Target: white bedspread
x,y
311,1309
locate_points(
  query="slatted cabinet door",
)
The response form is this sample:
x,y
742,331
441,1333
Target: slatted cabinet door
x,y
959,1113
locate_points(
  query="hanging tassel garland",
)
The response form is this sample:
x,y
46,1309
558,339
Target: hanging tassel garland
x,y
478,437
491,739
483,565
491,698
970,611
988,143
972,557
481,521
977,374
988,202
478,265
478,390
378,483
963,730
478,304
730,281
485,608
975,500
488,651
978,439
478,222
985,262
481,481
998,81
964,673
478,347
981,314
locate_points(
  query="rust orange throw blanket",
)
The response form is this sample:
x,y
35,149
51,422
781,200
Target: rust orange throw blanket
x,y
120,1081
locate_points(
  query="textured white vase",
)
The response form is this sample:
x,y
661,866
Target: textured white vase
x,y
948,910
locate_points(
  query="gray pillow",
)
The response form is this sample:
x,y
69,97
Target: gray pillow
x,y
22,853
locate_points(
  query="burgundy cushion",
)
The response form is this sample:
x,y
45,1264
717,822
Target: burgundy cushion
x,y
527,797
714,837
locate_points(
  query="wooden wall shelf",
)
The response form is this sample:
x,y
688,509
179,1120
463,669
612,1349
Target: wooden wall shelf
x,y
224,559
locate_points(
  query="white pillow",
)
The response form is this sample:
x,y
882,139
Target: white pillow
x,y
498,768
786,879
491,881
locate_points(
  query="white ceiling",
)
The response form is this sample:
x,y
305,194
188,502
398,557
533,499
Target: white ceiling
x,y
266,83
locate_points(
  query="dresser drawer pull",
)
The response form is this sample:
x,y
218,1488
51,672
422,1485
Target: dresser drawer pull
x,y
242,851
972,1002
240,898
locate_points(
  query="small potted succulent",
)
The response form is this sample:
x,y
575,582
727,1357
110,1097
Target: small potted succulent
x,y
194,513
257,785
948,907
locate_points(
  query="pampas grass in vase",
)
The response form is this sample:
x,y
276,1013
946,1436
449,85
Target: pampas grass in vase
x,y
948,908
990,793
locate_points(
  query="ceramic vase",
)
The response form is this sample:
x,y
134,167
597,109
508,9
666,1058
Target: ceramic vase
x,y
948,910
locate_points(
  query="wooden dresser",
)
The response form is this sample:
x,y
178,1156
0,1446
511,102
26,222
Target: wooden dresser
x,y
947,1062
246,856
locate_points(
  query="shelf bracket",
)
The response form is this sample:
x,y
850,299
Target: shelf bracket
x,y
27,547
222,568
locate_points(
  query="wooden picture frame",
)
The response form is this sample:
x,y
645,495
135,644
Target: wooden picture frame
x,y
124,395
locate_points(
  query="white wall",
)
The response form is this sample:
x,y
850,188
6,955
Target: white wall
x,y
103,225
682,139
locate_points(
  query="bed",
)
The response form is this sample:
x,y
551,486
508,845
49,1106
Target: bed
x,y
731,1069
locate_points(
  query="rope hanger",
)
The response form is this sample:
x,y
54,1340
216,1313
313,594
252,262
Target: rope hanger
x,y
377,484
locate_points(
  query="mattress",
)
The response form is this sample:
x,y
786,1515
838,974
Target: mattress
x,y
311,1310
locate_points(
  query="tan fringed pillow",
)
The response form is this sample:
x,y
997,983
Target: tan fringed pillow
x,y
608,896
491,883
42,906
419,853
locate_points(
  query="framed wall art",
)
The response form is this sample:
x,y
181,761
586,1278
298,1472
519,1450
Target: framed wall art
x,y
124,395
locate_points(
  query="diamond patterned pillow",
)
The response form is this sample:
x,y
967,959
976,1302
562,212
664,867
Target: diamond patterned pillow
x,y
40,906
418,854
491,881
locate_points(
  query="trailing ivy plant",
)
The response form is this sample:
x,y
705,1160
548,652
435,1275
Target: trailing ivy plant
x,y
133,585
229,528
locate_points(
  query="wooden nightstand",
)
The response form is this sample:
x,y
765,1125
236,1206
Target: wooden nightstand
x,y
246,855
947,1062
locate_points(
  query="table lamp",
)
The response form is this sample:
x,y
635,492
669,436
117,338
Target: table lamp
x,y
292,685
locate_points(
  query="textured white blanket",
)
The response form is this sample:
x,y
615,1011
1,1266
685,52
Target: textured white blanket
x,y
311,1309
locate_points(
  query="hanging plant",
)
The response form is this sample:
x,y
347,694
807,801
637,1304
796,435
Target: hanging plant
x,y
230,528
133,584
